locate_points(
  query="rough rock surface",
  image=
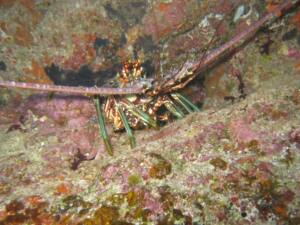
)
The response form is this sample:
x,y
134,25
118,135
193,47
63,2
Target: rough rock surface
x,y
235,162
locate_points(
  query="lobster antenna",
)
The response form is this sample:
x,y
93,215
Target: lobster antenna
x,y
243,36
191,69
72,90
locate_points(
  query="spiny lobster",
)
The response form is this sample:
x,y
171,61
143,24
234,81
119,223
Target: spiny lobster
x,y
136,100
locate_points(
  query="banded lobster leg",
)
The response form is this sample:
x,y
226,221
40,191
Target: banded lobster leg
x,y
126,126
130,107
143,116
173,108
119,107
102,128
185,102
178,105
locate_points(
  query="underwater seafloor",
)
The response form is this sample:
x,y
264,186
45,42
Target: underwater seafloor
x,y
235,162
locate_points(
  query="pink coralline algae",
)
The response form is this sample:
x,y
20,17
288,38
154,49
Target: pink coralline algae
x,y
72,111
294,136
205,133
293,53
234,162
242,132
169,17
66,117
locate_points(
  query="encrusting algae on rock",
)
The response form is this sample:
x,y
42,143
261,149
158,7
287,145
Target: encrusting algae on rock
x,y
235,162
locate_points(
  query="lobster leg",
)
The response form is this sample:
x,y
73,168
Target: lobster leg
x,y
127,127
173,108
102,129
185,103
138,113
